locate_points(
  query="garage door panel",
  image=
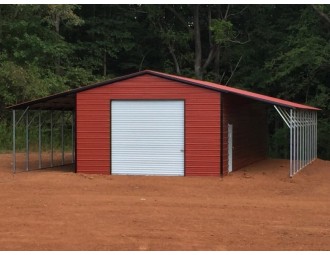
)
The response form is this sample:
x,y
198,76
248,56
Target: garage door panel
x,y
147,137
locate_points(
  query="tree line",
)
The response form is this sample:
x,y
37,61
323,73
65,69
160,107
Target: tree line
x,y
278,50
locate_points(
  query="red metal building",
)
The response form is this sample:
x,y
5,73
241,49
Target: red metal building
x,y
160,124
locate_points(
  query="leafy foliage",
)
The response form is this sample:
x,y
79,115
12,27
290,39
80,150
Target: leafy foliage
x,y
223,30
282,51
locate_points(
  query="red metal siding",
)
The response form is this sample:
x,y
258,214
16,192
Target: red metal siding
x,y
249,119
202,122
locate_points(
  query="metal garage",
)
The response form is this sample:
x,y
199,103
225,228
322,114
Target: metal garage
x,y
152,123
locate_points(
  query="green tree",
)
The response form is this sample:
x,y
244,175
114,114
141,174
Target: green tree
x,y
279,50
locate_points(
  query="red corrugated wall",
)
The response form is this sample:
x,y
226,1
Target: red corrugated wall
x,y
249,119
202,122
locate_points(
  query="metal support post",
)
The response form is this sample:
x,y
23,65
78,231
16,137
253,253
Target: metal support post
x,y
294,143
72,136
308,138
300,141
303,140
51,140
312,135
315,135
62,136
27,141
14,141
39,140
291,143
304,137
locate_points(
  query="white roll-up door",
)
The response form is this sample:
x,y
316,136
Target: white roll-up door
x,y
147,137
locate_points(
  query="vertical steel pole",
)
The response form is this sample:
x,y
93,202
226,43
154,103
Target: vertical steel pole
x,y
298,142
297,121
291,144
293,139
14,141
301,140
312,133
39,138
72,136
309,137
27,140
51,140
294,142
315,135
62,135
304,138
298,135
305,146
307,134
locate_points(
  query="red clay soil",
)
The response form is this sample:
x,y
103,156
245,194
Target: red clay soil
x,y
256,208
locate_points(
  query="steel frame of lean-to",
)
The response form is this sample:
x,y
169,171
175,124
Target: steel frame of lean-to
x,y
303,136
48,122
302,125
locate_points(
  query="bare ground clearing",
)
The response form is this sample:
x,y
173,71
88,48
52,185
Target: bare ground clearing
x,y
256,208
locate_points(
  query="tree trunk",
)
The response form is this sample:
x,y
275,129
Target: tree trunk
x,y
198,46
105,63
217,64
209,17
321,13
57,23
57,29
175,60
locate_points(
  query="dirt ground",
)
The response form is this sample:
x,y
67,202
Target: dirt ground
x,y
256,208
